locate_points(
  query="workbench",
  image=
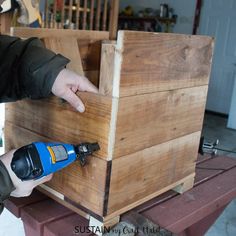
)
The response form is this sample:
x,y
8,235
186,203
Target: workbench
x,y
191,213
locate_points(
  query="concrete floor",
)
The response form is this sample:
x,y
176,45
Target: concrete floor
x,y
214,127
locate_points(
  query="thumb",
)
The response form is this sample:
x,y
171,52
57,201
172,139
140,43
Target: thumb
x,y
74,100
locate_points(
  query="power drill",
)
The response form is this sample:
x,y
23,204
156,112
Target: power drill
x,y
40,159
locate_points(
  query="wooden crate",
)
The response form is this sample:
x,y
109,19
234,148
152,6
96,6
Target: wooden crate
x,y
147,119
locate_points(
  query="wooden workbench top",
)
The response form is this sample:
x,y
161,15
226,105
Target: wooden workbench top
x,y
196,209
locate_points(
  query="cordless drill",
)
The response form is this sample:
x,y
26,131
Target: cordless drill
x,y
40,159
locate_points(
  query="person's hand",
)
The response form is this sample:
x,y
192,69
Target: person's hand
x,y
68,83
23,188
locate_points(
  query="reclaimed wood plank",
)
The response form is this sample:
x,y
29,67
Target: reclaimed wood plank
x,y
107,68
93,76
90,52
5,22
149,62
57,120
24,32
150,119
140,174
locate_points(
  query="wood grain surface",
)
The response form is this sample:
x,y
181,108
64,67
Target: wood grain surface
x,y
107,68
90,51
57,120
150,119
153,62
68,47
143,173
25,32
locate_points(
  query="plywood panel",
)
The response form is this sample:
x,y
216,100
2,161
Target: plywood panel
x,y
146,120
83,185
55,119
149,62
143,173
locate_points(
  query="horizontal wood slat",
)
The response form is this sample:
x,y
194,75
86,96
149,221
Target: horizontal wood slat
x,y
150,119
57,120
151,62
140,174
25,32
87,190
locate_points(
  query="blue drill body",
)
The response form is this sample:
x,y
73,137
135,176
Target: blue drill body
x,y
55,156
40,159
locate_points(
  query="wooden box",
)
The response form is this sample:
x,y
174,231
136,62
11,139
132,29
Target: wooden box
x,y
147,119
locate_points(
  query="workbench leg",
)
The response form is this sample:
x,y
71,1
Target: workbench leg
x,y
185,186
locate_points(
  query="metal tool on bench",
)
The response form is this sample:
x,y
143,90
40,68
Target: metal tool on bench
x,y
207,147
40,159
211,148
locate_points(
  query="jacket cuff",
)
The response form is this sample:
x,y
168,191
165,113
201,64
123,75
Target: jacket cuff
x,y
38,74
1,207
6,185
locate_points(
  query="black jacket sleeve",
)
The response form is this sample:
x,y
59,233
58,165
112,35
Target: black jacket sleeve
x,y
6,185
27,69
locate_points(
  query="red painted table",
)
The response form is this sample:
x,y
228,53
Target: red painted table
x,y
191,213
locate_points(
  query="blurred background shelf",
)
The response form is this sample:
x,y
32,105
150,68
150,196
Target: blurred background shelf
x,y
146,23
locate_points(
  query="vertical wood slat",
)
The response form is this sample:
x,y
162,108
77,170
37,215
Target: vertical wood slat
x,y
98,13
91,15
77,14
100,22
104,20
84,24
46,14
54,14
62,14
5,22
70,13
114,12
